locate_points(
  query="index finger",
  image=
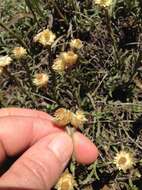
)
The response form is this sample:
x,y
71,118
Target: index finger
x,y
21,128
18,133
24,112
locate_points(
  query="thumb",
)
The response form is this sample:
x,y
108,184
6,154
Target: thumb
x,y
41,165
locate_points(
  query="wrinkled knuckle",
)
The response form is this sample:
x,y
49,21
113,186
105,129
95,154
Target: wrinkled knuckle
x,y
38,171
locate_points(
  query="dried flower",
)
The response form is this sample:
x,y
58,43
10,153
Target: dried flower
x,y
19,52
5,60
66,182
62,117
46,37
58,66
124,160
104,3
40,79
76,43
78,119
69,58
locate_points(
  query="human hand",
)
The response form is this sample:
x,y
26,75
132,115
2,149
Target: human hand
x,y
45,149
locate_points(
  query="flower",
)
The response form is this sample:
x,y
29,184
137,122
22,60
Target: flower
x,y
69,58
64,61
124,160
40,79
62,117
5,60
76,43
78,119
66,182
19,52
46,37
104,3
58,66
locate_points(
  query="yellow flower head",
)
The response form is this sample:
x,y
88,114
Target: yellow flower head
x,y
5,60
41,79
58,66
69,58
66,182
19,52
104,3
46,37
76,43
62,117
78,119
124,160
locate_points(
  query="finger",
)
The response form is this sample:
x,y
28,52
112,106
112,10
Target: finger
x,y
19,133
84,150
41,165
24,112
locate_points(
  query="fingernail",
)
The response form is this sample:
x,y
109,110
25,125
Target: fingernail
x,y
62,147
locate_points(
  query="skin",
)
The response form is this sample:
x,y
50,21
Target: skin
x,y
45,149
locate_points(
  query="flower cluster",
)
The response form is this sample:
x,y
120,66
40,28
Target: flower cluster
x,y
67,59
64,61
63,117
17,52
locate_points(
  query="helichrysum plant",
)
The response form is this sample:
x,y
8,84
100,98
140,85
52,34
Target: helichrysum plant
x,y
63,117
58,65
19,52
66,182
46,37
5,60
103,3
78,119
69,58
40,80
65,60
76,44
124,160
